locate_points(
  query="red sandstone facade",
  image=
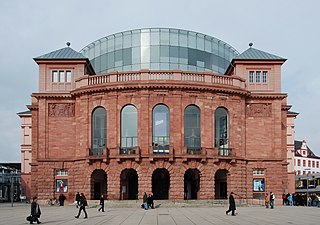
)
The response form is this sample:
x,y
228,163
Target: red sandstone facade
x,y
62,133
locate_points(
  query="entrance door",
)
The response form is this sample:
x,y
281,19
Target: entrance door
x,y
221,185
191,184
98,184
160,184
129,184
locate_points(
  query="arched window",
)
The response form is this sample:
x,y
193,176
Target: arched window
x,y
160,129
221,130
99,130
192,137
129,129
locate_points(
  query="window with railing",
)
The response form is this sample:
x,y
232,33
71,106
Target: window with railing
x,y
129,129
192,138
160,129
221,134
99,131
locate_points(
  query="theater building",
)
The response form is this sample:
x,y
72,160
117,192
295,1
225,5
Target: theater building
x,y
173,112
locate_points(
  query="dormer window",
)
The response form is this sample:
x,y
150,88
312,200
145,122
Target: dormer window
x,y
256,77
61,76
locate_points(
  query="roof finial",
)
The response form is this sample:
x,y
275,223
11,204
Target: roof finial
x,y
68,44
250,44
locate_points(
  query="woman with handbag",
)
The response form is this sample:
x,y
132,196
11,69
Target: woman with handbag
x,y
35,211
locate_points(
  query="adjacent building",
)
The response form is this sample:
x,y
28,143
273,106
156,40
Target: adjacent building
x,y
171,112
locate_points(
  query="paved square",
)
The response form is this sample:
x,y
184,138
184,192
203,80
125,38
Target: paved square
x,y
163,216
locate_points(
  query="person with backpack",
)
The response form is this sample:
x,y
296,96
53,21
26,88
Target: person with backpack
x,y
83,204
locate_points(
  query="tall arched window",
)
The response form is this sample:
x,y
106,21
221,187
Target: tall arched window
x,y
160,129
192,137
99,130
221,130
129,129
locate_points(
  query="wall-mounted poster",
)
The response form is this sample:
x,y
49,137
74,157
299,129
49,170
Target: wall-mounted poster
x,y
62,186
258,184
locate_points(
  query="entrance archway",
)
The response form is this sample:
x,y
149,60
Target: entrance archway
x,y
220,180
98,184
160,184
129,184
191,184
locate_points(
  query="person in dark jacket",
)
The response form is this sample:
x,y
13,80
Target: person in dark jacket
x,y
35,211
232,205
83,204
78,199
61,199
101,204
150,201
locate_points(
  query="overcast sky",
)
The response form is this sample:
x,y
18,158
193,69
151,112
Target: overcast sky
x,y
287,28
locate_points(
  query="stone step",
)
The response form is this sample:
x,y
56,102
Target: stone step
x,y
172,203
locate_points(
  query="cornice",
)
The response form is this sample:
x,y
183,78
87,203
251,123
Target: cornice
x,y
268,96
52,95
158,85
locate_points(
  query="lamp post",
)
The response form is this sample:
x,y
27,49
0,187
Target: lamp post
x,y
11,191
307,169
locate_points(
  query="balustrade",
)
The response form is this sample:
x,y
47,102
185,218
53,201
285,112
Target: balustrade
x,y
166,75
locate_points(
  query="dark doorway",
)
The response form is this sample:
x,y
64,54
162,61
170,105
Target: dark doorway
x,y
160,184
98,184
221,186
191,184
129,184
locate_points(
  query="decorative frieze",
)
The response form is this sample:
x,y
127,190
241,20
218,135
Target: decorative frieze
x,y
259,109
61,109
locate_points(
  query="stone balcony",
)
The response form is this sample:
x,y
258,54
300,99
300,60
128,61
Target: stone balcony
x,y
147,76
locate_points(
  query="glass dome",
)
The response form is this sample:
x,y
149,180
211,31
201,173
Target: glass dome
x,y
159,49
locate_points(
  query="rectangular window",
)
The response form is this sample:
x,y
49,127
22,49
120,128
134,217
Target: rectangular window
x,y
61,173
251,76
68,75
61,76
317,164
258,171
258,76
258,185
304,163
309,163
61,185
298,162
313,165
55,77
264,77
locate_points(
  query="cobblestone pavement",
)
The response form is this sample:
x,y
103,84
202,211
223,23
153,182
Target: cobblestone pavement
x,y
163,216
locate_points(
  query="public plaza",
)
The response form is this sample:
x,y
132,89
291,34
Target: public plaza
x,y
173,215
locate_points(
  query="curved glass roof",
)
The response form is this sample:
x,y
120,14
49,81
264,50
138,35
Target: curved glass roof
x,y
159,49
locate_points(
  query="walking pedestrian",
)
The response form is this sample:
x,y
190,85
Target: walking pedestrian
x,y
35,211
272,197
83,204
101,204
232,205
77,199
267,200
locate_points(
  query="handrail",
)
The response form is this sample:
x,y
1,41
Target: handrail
x,y
146,75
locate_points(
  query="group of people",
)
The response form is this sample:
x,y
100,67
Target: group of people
x,y
298,199
147,201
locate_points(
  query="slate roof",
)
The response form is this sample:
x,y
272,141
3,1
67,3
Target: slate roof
x,y
63,53
255,54
293,113
297,146
25,112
